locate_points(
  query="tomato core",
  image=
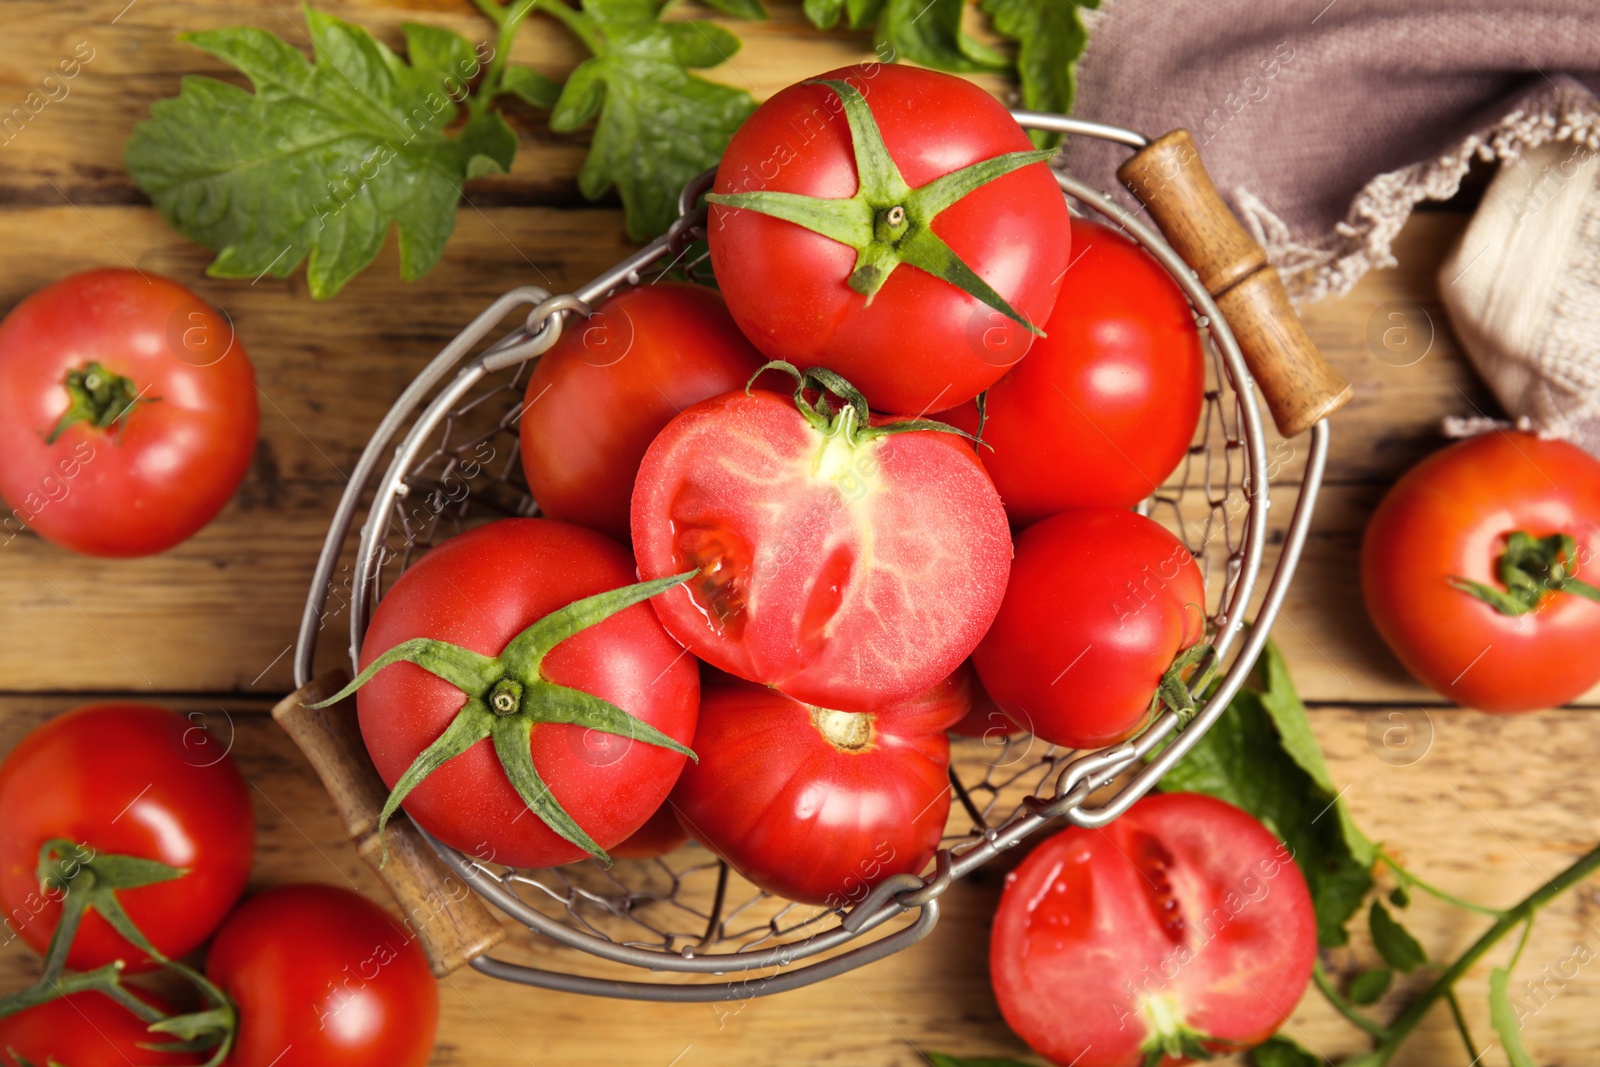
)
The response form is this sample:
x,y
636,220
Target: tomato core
x,y
96,396
847,731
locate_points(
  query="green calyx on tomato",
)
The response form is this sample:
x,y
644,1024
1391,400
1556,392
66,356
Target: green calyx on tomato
x,y
507,697
1531,568
887,222
89,882
1176,690
98,397
851,424
1170,1037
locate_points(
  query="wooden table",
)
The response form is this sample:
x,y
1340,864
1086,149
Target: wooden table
x,y
1492,807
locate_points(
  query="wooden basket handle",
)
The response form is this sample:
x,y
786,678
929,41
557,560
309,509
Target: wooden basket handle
x,y
1299,386
447,918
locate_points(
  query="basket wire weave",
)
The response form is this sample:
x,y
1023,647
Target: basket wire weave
x,y
454,463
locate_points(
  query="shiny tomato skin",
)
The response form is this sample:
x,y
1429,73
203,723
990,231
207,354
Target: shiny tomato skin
x,y
323,976
1449,515
135,780
922,344
168,467
848,578
601,394
1185,899
660,834
1100,603
1105,406
85,1030
478,590
803,817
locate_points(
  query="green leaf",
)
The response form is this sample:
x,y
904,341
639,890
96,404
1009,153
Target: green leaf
x,y
658,125
944,1059
529,86
739,9
1281,1052
860,14
1394,943
1255,758
1051,38
490,143
322,158
928,32
1399,897
1368,986
1503,1017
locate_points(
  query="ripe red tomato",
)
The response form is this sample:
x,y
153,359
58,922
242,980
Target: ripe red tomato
x,y
608,386
84,1030
1184,921
151,478
1452,516
1099,605
816,805
478,590
921,344
324,976
130,780
849,570
1105,406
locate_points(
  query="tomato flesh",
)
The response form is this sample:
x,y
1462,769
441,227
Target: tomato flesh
x,y
1184,912
849,576
1450,516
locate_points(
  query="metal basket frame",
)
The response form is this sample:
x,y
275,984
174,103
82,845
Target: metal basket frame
x,y
899,895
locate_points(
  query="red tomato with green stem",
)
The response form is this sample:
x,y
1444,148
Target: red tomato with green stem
x,y
128,413
1106,404
813,804
849,562
1477,570
1182,930
552,713
320,976
106,782
894,225
85,1030
607,387
1100,606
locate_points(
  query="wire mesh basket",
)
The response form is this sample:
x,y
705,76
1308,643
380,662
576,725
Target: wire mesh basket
x,y
685,927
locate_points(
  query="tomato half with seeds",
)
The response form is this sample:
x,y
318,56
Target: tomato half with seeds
x,y
813,804
1479,570
114,780
550,752
1100,605
128,413
917,285
850,566
321,976
1182,928
1105,406
607,387
85,1030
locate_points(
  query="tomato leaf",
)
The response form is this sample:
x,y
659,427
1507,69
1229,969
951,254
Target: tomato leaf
x,y
1281,1052
1260,756
1051,38
1368,986
860,14
739,9
658,125
1503,1017
529,86
322,157
1394,943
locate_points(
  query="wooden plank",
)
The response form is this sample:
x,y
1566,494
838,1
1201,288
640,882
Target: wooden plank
x,y
1489,810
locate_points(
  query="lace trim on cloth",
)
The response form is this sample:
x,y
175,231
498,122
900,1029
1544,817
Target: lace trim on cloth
x,y
1564,111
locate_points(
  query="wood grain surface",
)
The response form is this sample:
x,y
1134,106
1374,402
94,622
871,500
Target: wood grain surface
x,y
1486,807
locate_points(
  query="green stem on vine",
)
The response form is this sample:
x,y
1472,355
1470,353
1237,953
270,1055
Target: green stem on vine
x,y
1343,1006
1411,881
573,21
1522,912
1461,1026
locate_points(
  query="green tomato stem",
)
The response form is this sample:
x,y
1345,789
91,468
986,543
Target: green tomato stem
x,y
1412,881
1343,1006
1522,912
1473,1050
